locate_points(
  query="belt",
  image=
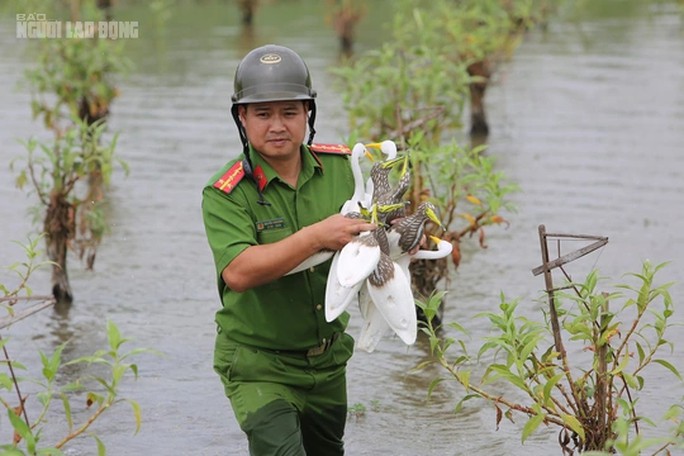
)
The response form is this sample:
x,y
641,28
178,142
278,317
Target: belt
x,y
326,343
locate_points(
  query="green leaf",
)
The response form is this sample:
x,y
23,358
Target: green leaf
x,y
531,426
6,381
137,414
464,378
553,381
503,372
67,411
459,405
623,364
433,385
114,336
573,423
640,351
50,452
23,430
101,450
668,366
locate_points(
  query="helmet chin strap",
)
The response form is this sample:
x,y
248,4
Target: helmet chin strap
x,y
241,129
312,121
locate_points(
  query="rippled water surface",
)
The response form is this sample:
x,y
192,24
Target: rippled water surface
x,y
588,119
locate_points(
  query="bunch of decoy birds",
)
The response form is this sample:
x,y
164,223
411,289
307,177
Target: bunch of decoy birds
x,y
373,269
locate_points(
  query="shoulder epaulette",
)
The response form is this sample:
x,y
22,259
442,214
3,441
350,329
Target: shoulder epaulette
x,y
331,149
231,178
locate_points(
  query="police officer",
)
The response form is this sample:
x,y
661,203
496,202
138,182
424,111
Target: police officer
x,y
282,365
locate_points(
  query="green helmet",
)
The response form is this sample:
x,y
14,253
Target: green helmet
x,y
272,73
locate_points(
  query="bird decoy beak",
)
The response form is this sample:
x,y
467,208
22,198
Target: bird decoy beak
x,y
406,165
435,239
393,162
432,216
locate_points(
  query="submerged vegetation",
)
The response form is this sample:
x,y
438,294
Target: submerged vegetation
x,y
415,90
31,401
72,89
591,392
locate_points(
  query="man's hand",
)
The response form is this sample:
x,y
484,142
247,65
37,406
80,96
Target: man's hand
x,y
336,231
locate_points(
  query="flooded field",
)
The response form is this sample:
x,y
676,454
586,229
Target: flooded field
x,y
588,119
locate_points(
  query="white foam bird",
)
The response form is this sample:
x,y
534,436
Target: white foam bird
x,y
375,326
338,297
360,195
390,290
389,149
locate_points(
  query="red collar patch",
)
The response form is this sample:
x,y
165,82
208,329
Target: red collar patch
x,y
260,177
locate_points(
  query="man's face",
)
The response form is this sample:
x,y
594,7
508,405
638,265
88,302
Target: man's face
x,y
275,129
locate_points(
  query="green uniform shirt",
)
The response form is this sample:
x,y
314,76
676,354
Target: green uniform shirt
x,y
288,313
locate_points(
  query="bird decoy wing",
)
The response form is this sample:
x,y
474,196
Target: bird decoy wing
x,y
357,260
337,297
374,324
314,260
392,295
365,300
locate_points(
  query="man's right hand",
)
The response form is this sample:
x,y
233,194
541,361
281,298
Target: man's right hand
x,y
336,231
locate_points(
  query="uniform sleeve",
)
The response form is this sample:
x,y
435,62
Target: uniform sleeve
x,y
228,224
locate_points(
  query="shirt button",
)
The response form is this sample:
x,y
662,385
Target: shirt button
x,y
312,269
319,307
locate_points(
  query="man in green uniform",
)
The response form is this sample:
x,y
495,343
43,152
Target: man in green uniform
x,y
282,365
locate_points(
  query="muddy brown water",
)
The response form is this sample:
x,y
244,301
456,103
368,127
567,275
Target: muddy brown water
x,y
588,119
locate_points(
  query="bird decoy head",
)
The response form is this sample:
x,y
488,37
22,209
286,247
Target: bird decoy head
x,y
430,212
388,147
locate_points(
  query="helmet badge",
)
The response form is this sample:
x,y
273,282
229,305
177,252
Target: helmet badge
x,y
270,59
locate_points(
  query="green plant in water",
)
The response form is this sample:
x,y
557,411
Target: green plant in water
x,y
357,410
74,78
97,393
590,396
23,271
58,173
413,90
72,91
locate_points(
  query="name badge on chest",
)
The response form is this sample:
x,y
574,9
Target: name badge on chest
x,y
272,224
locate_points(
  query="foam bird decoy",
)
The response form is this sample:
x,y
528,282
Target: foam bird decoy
x,y
360,196
388,196
351,266
389,149
337,296
359,257
390,291
373,267
375,326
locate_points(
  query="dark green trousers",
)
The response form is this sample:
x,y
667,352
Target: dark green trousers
x,y
288,404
